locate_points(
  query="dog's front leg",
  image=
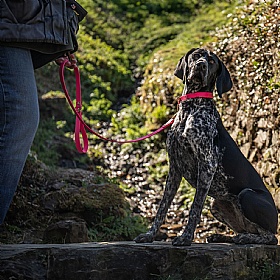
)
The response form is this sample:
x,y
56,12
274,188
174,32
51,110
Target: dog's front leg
x,y
205,177
172,184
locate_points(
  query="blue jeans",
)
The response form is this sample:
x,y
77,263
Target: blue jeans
x,y
19,117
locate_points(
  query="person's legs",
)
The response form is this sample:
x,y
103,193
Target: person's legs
x,y
19,117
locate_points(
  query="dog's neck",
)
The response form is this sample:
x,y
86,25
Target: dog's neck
x,y
193,87
188,89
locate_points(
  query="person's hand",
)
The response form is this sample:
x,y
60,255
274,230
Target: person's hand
x,y
70,58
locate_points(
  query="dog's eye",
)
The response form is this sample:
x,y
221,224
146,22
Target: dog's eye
x,y
211,61
196,56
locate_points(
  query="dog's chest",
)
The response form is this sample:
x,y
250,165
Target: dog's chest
x,y
194,128
192,139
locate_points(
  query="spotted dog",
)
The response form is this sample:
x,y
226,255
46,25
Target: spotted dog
x,y
201,150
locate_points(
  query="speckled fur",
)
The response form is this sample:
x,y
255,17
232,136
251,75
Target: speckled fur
x,y
195,154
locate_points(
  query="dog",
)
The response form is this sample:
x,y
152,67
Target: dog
x,y
202,151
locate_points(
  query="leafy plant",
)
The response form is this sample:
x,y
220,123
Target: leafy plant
x,y
115,228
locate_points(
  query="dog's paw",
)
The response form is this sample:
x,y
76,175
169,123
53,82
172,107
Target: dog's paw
x,y
219,238
144,238
250,238
181,241
245,238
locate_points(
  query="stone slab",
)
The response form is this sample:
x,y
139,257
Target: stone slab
x,y
131,261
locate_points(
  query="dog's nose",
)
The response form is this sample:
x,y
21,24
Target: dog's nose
x,y
201,65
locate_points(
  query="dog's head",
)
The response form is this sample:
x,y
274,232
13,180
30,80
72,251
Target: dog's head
x,y
200,69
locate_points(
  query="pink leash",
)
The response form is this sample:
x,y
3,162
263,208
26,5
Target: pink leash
x,y
80,125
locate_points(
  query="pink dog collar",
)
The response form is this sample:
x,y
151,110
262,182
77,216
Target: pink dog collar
x,y
201,94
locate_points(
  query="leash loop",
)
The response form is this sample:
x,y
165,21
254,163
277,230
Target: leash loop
x,y
80,125
80,131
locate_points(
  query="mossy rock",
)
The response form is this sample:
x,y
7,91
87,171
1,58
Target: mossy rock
x,y
46,196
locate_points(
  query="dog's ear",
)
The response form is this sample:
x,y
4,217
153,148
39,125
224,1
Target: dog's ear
x,y
181,70
223,83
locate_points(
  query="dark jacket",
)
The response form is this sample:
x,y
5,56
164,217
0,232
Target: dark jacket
x,y
46,27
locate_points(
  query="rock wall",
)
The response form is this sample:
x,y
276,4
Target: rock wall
x,y
249,46
131,261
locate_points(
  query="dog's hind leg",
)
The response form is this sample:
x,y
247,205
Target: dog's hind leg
x,y
258,206
227,210
172,184
251,214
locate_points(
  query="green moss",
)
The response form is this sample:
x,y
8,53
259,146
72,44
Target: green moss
x,y
115,228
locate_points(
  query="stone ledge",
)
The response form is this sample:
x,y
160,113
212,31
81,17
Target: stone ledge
x,y
131,261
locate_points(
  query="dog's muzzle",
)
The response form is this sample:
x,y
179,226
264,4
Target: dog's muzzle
x,y
199,72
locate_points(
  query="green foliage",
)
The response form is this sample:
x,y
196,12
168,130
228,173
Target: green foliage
x,y
158,169
121,43
103,67
44,139
263,269
130,120
139,27
112,39
115,228
127,189
266,270
122,35
158,115
99,107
